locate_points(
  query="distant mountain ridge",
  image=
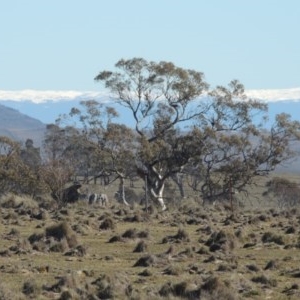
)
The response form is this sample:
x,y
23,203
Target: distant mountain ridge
x,y
31,123
48,111
19,126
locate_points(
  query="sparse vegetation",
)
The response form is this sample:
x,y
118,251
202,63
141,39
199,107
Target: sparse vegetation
x,y
201,242
81,252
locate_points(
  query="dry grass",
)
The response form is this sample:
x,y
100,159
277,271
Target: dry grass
x,y
187,252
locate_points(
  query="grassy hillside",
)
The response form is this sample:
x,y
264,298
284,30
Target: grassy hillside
x,y
190,251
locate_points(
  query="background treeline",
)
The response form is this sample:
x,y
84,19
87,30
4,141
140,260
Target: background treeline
x,y
212,140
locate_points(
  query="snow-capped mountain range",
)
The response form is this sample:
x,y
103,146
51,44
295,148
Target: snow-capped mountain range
x,y
46,106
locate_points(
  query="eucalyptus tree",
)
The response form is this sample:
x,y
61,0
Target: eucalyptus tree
x,y
162,100
237,146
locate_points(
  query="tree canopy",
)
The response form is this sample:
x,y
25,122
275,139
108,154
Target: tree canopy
x,y
184,127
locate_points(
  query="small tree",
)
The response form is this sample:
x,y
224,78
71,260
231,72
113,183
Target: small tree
x,y
237,148
15,175
286,192
91,121
31,155
56,174
120,147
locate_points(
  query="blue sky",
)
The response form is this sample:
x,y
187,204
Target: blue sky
x,y
63,44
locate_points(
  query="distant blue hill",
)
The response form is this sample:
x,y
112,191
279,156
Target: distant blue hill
x,y
49,111
19,126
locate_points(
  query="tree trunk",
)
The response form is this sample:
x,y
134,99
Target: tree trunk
x,y
122,191
157,193
178,179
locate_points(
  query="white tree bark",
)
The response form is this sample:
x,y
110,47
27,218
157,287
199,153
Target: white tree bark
x,y
159,196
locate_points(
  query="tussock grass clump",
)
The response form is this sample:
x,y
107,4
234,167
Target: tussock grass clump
x,y
177,290
72,286
56,238
104,287
35,237
112,287
140,247
138,217
221,241
290,230
262,279
172,270
116,238
79,251
224,268
7,294
271,265
40,214
11,216
203,250
30,288
130,233
133,233
59,246
145,273
14,233
213,288
60,231
252,268
23,246
269,237
181,236
146,261
107,224
15,201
